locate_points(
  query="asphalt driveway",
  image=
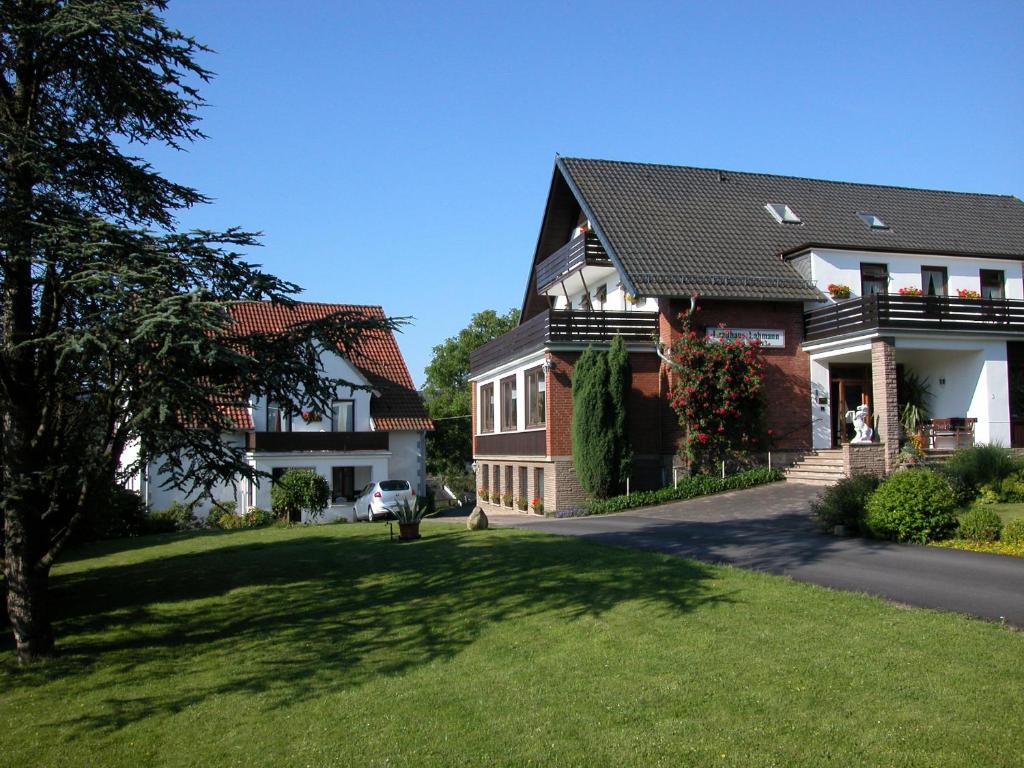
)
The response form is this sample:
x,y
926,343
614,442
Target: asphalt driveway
x,y
770,529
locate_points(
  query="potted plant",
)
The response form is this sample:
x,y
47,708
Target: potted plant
x,y
409,518
521,503
910,290
537,505
838,290
506,499
967,293
483,495
311,417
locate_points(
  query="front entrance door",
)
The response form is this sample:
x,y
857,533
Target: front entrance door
x,y
850,387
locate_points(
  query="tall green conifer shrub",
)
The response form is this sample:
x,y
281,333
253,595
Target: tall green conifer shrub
x,y
593,449
620,380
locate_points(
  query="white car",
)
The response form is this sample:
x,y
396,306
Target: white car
x,y
378,500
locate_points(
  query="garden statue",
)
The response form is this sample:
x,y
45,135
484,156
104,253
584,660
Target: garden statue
x,y
860,420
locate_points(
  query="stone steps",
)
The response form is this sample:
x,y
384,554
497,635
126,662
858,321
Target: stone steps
x,y
817,468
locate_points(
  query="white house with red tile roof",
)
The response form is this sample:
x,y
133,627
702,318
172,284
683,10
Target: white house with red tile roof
x,y
376,430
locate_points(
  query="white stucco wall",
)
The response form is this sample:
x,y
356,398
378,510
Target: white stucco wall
x,y
158,497
966,378
337,367
370,467
843,267
408,454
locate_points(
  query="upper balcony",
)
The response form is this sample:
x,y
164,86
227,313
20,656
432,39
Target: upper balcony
x,y
929,314
335,442
580,262
556,326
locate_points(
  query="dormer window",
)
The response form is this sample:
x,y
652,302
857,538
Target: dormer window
x,y
873,220
782,213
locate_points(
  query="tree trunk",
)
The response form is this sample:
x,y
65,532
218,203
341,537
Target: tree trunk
x,y
27,597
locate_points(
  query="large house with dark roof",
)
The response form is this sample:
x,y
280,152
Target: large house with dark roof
x,y
374,432
847,286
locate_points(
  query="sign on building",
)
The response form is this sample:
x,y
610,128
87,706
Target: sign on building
x,y
769,337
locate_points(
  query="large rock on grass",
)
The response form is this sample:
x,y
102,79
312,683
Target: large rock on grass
x,y
477,520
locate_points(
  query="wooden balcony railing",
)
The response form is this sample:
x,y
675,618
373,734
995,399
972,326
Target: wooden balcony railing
x,y
560,326
581,251
998,317
285,442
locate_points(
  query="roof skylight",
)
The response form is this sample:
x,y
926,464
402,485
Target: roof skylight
x,y
873,220
782,213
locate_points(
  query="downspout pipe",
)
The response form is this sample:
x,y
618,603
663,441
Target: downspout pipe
x,y
657,346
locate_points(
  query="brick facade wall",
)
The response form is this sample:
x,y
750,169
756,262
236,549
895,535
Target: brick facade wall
x,y
787,370
886,415
864,459
647,407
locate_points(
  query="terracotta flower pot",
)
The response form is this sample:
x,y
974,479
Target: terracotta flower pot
x,y
408,531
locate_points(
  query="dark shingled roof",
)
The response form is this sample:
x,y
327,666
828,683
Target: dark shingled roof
x,y
677,230
375,353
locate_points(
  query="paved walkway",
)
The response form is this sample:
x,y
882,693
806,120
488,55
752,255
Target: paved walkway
x,y
770,529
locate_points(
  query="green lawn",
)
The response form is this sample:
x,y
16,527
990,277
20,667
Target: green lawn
x,y
1008,511
333,646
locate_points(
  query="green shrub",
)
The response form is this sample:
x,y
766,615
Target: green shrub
x,y
979,524
912,505
177,517
257,517
977,466
122,514
843,503
218,511
1013,531
1012,488
687,488
298,491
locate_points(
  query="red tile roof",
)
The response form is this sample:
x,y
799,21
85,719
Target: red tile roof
x,y
375,354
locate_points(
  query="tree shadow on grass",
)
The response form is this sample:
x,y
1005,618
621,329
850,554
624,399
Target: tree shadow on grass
x,y
293,619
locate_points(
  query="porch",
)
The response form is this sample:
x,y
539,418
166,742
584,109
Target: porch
x,y
966,381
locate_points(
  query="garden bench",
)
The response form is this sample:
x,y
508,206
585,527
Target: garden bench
x,y
952,433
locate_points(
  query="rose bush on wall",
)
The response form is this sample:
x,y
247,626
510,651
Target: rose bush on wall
x,y
718,395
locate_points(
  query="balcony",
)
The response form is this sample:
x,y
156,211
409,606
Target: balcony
x,y
582,260
562,326
335,442
929,314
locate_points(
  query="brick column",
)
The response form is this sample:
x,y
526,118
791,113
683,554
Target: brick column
x,y
887,416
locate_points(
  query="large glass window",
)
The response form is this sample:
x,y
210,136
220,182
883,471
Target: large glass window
x,y
343,414
874,278
508,404
279,417
487,408
535,387
992,284
933,281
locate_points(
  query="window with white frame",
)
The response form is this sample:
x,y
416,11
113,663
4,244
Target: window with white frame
x,y
508,404
487,408
535,386
343,414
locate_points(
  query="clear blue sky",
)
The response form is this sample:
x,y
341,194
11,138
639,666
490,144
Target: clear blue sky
x,y
400,153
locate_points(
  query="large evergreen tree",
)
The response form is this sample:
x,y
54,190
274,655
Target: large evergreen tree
x,y
115,326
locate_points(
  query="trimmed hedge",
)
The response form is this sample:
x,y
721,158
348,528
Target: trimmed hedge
x,y
912,505
843,503
979,524
687,488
